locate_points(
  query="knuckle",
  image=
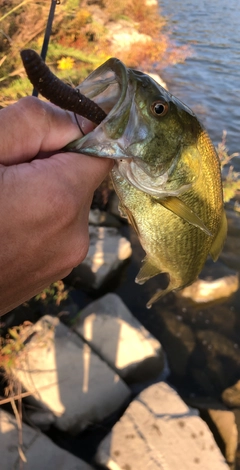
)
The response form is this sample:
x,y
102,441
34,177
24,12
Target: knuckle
x,y
32,105
33,108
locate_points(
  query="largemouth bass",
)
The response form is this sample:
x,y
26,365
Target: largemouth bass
x,y
167,173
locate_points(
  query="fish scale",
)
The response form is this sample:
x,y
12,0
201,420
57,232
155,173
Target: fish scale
x,y
156,229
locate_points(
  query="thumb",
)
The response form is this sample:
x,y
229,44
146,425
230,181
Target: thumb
x,y
31,126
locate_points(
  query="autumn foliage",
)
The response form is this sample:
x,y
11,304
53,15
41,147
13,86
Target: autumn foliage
x,y
83,37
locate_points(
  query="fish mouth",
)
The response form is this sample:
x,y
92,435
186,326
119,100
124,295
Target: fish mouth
x,y
107,86
118,136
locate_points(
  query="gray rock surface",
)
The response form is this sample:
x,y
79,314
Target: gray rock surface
x,y
118,337
159,432
107,252
42,419
68,378
38,451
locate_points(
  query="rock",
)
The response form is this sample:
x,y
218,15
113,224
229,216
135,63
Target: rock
x,y
236,412
67,378
120,340
124,35
216,282
38,450
221,422
42,419
202,344
220,361
224,421
231,396
178,341
97,217
108,250
159,432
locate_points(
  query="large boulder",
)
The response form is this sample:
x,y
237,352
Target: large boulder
x,y
67,377
216,282
120,340
37,451
158,431
108,250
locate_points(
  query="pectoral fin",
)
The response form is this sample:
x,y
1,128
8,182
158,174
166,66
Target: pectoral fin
x,y
219,240
181,209
147,271
125,212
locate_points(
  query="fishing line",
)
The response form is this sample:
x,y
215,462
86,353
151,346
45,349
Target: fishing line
x,y
78,124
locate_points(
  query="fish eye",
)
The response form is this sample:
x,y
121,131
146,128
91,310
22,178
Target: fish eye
x,y
159,108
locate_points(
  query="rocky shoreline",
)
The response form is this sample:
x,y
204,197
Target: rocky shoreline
x,y
106,362
82,375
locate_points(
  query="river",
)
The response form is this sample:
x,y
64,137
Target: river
x,y
209,80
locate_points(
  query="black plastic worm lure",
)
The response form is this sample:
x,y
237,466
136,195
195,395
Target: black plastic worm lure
x,y
56,91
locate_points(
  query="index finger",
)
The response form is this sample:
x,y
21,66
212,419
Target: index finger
x,y
30,126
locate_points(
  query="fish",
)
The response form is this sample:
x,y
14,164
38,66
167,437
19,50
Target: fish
x,y
166,174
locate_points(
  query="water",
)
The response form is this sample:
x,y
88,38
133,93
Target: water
x,y
209,80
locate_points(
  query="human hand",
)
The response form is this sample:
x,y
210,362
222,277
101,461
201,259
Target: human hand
x,y
44,202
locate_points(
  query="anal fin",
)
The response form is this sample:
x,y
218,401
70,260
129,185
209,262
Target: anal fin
x,y
147,271
174,284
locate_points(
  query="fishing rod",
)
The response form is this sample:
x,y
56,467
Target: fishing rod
x,y
47,35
